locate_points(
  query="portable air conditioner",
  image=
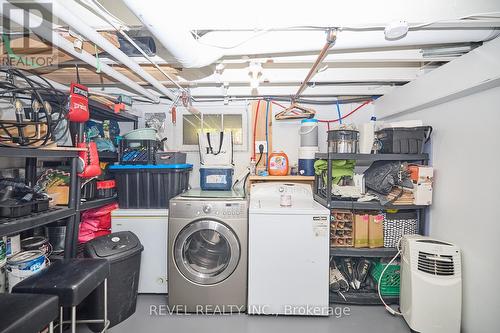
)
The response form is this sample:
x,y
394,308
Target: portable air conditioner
x,y
431,285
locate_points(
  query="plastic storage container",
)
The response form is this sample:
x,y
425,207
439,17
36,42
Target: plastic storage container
x,y
12,208
137,151
308,133
150,186
170,157
106,188
390,284
216,178
403,140
123,251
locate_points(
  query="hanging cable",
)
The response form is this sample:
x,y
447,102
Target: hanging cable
x,y
338,111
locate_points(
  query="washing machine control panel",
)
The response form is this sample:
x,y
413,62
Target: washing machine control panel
x,y
207,209
220,209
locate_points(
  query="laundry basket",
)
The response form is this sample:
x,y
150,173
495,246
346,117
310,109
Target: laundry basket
x,y
398,224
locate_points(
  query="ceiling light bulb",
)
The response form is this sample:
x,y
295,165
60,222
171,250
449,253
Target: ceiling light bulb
x,y
254,83
396,30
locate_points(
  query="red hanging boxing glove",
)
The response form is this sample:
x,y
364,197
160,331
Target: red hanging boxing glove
x,y
89,160
78,103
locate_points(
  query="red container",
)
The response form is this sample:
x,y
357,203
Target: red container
x,y
106,188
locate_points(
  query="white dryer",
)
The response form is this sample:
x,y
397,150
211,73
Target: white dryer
x,y
288,251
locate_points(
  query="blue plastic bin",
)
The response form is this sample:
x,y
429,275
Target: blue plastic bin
x,y
217,179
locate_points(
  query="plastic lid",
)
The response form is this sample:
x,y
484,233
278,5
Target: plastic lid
x,y
309,121
115,245
150,166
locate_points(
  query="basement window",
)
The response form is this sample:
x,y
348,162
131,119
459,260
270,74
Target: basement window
x,y
210,120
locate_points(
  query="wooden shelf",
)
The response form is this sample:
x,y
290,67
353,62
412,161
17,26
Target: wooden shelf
x,y
287,179
281,178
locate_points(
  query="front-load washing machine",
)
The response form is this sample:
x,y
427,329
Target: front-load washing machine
x,y
207,252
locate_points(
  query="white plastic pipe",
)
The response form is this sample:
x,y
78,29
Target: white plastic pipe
x,y
62,10
45,30
192,53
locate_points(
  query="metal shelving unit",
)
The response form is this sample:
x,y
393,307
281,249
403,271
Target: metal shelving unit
x,y
323,195
356,205
382,252
40,152
108,156
99,111
71,213
15,225
96,203
373,157
360,297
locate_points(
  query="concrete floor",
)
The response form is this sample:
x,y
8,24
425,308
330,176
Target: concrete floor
x,y
362,319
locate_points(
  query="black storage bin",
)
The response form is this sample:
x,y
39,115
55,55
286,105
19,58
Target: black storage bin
x,y
150,186
123,250
402,140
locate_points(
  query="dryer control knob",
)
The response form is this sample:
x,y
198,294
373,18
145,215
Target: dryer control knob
x,y
207,209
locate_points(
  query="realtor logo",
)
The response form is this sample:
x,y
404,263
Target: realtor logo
x,y
22,23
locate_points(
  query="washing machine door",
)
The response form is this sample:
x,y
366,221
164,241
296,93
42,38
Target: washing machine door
x,y
206,252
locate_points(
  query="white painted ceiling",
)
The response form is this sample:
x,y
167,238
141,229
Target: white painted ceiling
x,y
344,73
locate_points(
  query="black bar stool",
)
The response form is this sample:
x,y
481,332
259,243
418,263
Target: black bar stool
x,y
72,280
29,313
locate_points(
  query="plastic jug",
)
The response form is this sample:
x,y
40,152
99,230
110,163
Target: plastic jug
x,y
278,164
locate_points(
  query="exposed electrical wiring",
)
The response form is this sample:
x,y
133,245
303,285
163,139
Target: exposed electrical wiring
x,y
422,25
261,32
255,126
379,282
344,116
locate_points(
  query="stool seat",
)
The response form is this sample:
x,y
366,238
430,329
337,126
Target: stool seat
x,y
27,313
70,279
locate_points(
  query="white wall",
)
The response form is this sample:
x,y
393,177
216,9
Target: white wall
x,y
285,133
466,157
465,153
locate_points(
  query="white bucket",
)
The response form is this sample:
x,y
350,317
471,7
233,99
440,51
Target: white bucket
x,y
13,245
23,265
309,133
308,153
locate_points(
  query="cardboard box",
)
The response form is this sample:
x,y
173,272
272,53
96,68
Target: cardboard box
x,y
422,194
376,231
361,222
